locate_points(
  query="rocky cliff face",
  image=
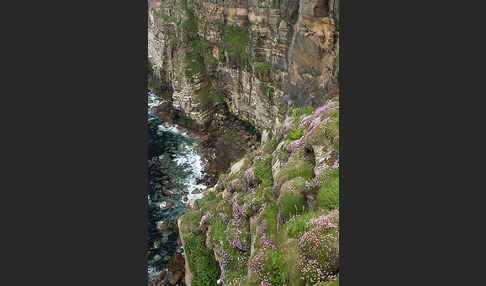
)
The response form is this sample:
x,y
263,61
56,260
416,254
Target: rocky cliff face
x,y
273,218
249,56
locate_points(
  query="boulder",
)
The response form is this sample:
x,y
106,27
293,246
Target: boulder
x,y
176,263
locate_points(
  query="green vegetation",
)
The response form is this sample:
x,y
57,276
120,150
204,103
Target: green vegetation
x,y
262,68
218,226
190,218
298,168
295,134
276,267
328,195
283,155
209,98
296,226
332,130
235,42
205,269
267,89
294,238
292,200
329,283
301,111
291,204
335,64
270,145
263,167
162,16
270,215
197,55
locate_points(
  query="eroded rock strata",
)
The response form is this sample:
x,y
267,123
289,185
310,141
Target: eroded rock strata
x,y
257,81
250,55
273,218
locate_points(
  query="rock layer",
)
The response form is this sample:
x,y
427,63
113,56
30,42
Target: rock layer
x,y
252,55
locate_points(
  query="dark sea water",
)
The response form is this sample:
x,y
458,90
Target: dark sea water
x,y
175,166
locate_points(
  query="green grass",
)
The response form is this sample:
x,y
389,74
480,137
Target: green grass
x,y
205,269
267,89
295,134
298,168
276,266
300,112
296,226
237,264
162,16
291,204
270,145
263,168
270,214
236,40
292,200
329,283
262,68
218,226
332,130
209,98
328,195
190,218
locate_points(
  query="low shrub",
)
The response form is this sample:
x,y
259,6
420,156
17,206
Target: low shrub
x,y
319,248
205,269
328,194
295,134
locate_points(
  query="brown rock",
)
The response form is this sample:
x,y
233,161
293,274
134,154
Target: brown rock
x,y
164,225
161,279
175,277
169,204
176,263
197,191
167,192
226,194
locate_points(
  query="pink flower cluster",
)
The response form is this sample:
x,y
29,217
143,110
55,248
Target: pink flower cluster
x,y
329,106
319,248
204,219
287,124
261,229
326,221
336,164
233,185
250,176
239,211
257,264
238,241
223,215
224,260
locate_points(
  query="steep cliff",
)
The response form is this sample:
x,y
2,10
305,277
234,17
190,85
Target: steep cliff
x,y
246,56
273,218
243,72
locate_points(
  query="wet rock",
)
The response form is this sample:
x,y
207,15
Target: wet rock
x,y
176,277
167,192
169,204
161,280
176,263
196,191
163,225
